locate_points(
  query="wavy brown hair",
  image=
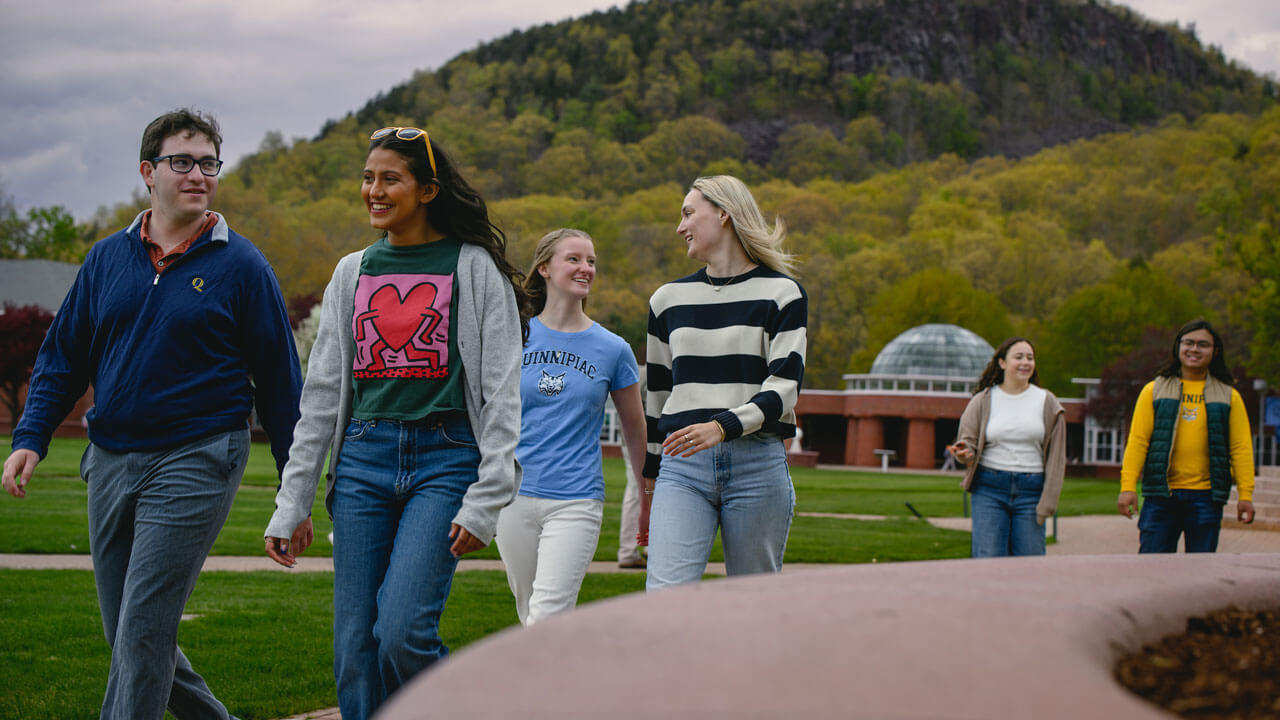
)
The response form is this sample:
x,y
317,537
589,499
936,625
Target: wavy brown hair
x,y
993,374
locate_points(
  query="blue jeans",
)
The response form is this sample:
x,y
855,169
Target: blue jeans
x,y
741,487
1004,513
152,518
1192,512
397,488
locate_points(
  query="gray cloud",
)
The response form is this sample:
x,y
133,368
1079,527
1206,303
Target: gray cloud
x,y
82,79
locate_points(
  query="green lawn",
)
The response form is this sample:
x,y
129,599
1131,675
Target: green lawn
x,y
51,519
263,640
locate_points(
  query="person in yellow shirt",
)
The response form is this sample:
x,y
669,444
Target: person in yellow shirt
x,y
1189,440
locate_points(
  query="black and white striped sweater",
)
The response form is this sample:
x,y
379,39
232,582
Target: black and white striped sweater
x,y
734,354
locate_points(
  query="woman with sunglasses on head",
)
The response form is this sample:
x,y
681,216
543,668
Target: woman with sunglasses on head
x,y
414,383
572,366
1013,437
725,359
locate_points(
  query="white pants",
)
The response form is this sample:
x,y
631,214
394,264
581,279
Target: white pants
x,y
547,546
628,550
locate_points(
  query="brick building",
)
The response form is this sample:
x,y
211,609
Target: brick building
x,y
908,407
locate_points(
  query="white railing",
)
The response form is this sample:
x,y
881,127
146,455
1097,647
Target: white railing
x,y
1265,450
611,431
932,384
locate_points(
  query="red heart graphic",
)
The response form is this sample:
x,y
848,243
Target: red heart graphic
x,y
397,321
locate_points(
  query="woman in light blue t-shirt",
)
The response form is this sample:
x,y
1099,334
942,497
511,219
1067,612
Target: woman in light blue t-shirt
x,y
571,366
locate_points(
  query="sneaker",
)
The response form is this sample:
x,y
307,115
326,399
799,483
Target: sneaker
x,y
638,562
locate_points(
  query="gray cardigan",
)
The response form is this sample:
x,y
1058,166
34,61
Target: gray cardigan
x,y
973,430
489,343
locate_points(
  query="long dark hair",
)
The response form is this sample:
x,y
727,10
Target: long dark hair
x,y
1217,366
458,211
993,374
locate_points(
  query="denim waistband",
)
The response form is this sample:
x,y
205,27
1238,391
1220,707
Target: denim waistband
x,y
435,419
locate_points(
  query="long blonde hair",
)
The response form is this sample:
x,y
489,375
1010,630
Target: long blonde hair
x,y
762,244
534,283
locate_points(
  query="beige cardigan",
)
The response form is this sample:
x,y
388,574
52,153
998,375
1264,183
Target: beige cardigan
x,y
973,431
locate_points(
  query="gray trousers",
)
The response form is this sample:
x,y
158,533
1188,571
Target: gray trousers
x,y
153,516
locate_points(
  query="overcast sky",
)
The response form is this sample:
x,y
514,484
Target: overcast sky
x,y
80,79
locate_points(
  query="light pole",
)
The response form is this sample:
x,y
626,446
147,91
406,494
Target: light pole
x,y
1260,386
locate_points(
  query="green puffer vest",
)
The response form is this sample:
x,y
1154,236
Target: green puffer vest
x,y
1166,398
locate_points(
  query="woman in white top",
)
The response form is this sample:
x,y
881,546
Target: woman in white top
x,y
1013,440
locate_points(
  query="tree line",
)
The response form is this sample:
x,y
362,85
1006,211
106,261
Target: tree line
x,y
1065,170
1081,247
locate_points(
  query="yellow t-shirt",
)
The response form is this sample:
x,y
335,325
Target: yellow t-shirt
x,y
1189,459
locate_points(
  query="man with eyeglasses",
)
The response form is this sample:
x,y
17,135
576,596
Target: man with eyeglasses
x,y
178,324
1189,440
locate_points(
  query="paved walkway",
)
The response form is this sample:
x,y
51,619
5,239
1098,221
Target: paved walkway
x,y
1079,535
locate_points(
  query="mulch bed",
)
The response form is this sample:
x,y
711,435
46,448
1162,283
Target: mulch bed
x,y
1227,665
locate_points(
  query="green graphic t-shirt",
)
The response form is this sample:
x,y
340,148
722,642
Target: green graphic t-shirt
x,y
406,356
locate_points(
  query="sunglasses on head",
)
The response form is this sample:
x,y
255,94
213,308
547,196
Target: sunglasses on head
x,y
409,133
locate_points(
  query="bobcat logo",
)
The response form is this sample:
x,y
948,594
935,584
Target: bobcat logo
x,y
1190,413
551,385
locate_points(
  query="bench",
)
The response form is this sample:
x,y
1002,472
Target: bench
x,y
885,456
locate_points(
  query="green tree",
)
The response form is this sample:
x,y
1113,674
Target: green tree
x,y
1255,250
678,150
45,233
1100,323
806,152
22,330
931,296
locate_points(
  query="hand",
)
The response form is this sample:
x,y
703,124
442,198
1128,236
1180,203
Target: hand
x,y
302,537
286,552
463,541
17,471
1128,503
646,505
1244,511
278,550
690,439
962,452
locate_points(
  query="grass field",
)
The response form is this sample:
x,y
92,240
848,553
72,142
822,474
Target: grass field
x,y
263,639
51,519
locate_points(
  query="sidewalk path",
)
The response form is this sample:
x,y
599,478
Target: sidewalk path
x,y
238,563
1118,535
1077,535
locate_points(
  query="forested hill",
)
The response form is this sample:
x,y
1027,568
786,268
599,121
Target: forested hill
x,y
1064,170
970,77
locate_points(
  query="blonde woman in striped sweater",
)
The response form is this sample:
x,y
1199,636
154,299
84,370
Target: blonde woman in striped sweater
x,y
726,351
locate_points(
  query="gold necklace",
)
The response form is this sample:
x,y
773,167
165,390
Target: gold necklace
x,y
719,287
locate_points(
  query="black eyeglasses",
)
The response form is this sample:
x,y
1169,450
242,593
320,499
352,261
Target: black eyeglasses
x,y
1201,344
183,163
409,133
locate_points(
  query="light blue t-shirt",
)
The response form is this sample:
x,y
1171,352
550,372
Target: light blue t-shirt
x,y
565,379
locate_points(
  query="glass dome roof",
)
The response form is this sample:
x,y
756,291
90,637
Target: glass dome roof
x,y
935,349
